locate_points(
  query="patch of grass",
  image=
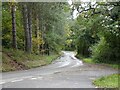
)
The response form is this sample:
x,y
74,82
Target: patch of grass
x,y
88,60
50,58
28,60
84,59
116,66
91,61
43,60
110,81
7,67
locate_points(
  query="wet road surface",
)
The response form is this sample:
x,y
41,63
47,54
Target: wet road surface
x,y
65,72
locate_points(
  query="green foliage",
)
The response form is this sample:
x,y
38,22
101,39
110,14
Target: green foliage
x,y
29,60
107,49
90,33
88,60
98,33
6,26
110,81
84,34
101,51
83,44
51,21
48,33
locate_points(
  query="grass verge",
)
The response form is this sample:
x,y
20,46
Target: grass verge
x,y
19,60
110,81
90,60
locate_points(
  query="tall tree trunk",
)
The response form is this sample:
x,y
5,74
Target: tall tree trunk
x,y
14,40
42,35
30,27
26,29
37,32
47,46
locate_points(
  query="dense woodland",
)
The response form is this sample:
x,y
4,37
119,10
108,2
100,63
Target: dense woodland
x,y
43,28
96,31
33,27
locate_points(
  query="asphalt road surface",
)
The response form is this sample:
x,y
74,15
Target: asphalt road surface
x,y
65,72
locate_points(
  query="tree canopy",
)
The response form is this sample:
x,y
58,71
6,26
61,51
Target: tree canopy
x,y
44,27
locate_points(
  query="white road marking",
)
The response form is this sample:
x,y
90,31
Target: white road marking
x,y
33,78
76,83
17,80
39,77
27,77
20,79
92,78
2,82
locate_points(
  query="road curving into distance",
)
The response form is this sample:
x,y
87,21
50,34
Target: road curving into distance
x,y
65,72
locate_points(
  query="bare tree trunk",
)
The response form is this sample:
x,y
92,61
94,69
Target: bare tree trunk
x,y
48,52
46,45
26,28
42,35
37,32
14,40
30,27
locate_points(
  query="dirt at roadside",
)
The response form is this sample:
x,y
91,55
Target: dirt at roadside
x,y
12,63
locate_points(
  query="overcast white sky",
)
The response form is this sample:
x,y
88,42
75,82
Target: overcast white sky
x,y
75,13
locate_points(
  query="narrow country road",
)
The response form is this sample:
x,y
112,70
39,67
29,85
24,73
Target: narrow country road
x,y
65,72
